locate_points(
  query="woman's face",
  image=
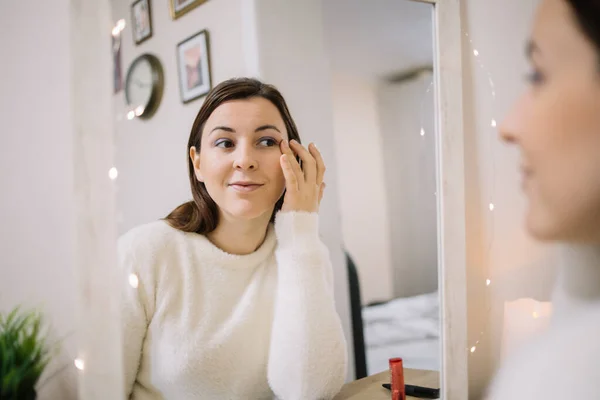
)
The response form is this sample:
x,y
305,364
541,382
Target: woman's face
x,y
239,158
556,124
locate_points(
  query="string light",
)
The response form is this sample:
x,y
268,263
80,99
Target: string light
x,y
113,173
131,115
139,111
79,364
118,28
422,132
491,204
134,281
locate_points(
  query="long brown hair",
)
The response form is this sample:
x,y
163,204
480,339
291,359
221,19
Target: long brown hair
x,y
202,214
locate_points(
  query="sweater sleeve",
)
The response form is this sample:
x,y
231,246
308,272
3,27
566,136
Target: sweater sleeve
x,y
136,289
308,357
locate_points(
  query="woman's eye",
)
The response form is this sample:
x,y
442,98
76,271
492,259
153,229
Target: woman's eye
x,y
535,77
268,142
224,143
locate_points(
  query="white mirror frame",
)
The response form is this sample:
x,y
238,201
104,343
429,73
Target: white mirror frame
x,y
95,200
451,198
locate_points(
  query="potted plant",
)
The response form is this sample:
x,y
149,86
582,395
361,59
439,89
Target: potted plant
x,y
23,354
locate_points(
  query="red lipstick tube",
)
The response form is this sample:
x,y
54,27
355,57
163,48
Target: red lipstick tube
x,y
397,377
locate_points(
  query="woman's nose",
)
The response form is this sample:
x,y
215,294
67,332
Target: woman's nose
x,y
245,159
511,126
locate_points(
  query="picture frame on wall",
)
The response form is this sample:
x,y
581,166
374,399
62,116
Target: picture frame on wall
x,y
141,21
181,7
193,61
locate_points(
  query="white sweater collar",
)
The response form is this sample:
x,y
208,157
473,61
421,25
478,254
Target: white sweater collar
x,y
213,254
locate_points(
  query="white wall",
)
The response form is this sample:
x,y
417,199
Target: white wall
x,y
36,174
362,186
497,245
406,108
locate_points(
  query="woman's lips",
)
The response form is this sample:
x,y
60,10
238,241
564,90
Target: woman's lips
x,y
245,187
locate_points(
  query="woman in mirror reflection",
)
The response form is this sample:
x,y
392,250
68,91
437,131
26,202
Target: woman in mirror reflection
x,y
234,292
556,125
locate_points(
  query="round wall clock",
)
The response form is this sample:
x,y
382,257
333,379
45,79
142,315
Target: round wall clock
x,y
144,86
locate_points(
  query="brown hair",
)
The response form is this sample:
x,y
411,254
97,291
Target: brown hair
x,y
201,215
587,13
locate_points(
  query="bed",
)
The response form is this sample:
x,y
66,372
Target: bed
x,y
403,327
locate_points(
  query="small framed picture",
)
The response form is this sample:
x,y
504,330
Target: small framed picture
x,y
141,21
180,7
193,61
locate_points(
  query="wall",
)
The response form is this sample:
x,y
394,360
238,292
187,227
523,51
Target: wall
x,y
359,158
406,111
497,245
36,174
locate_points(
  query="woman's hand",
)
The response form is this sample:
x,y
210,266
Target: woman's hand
x,y
304,186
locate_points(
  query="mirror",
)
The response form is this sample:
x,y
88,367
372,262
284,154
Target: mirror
x,y
369,71
369,82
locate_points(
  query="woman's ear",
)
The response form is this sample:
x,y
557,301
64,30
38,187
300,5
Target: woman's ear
x,y
195,157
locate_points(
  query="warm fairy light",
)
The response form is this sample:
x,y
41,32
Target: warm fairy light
x,y
113,173
476,53
487,283
131,115
422,132
492,206
473,349
535,314
139,110
79,364
121,24
494,123
134,281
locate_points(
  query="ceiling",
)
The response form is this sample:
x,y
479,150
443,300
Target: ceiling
x,y
375,39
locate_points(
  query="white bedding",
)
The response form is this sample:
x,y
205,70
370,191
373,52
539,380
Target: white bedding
x,y
403,327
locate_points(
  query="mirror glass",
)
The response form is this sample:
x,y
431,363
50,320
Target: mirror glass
x,y
358,78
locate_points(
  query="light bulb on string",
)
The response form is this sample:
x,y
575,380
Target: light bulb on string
x,y
113,173
422,132
478,62
134,281
79,364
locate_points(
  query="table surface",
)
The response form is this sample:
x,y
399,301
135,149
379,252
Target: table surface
x,y
370,388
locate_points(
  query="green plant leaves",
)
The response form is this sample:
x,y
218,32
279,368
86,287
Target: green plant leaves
x,y
23,354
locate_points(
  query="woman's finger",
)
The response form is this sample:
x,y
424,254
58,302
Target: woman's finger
x,y
321,191
291,180
320,163
309,165
293,163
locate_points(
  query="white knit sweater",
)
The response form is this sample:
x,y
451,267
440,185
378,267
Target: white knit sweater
x,y
564,362
205,324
